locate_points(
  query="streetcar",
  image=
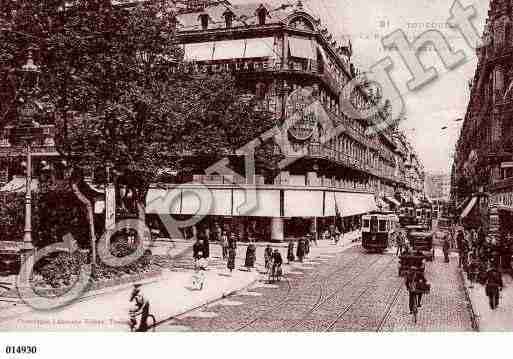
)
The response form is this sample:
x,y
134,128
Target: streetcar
x,y
378,228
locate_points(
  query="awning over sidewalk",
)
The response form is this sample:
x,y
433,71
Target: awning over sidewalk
x,y
303,203
256,204
352,204
469,207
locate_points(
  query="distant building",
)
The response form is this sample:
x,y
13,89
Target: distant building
x,y
438,186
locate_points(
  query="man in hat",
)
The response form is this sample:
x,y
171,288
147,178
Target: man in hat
x,y
493,287
414,281
141,309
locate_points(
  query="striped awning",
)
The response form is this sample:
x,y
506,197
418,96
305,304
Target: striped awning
x,y
469,207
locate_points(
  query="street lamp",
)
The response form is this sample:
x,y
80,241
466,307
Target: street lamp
x,y
25,131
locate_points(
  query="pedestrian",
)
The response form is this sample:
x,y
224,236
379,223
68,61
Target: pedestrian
x,y
399,243
231,257
277,262
446,245
307,245
314,237
224,244
198,249
300,252
141,309
249,263
206,244
337,236
493,287
290,252
268,253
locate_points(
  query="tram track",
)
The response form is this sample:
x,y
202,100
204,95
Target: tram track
x,y
390,306
287,296
320,302
368,286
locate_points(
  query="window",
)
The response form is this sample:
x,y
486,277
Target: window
x,y
374,224
366,223
382,226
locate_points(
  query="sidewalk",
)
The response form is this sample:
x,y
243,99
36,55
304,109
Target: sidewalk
x,y
169,295
487,319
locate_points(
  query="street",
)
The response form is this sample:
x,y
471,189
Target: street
x,y
349,291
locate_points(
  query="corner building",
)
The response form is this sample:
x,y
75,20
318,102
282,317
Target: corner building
x,y
286,57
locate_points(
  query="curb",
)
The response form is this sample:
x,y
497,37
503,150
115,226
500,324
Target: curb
x,y
228,294
223,295
473,316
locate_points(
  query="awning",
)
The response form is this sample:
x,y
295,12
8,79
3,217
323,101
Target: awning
x,y
329,204
469,207
391,200
261,47
18,184
163,201
202,51
302,48
303,203
267,203
231,49
352,204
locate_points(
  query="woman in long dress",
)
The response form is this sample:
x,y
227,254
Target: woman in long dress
x,y
249,263
231,253
290,252
300,253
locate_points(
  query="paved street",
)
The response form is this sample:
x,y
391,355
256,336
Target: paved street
x,y
348,291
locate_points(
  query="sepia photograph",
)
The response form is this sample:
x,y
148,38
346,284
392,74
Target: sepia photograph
x,y
235,166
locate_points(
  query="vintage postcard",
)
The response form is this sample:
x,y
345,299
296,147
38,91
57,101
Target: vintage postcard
x,y
255,166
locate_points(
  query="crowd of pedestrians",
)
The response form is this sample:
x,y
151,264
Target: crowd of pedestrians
x,y
479,256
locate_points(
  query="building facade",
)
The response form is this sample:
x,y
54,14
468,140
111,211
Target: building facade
x,y
482,175
283,55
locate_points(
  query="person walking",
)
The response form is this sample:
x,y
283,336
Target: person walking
x,y
290,252
307,245
230,264
224,244
300,253
399,239
493,287
268,253
314,237
249,263
446,245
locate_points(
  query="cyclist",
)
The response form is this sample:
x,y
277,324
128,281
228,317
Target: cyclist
x,y
415,284
141,309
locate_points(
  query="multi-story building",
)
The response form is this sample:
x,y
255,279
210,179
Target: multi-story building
x,y
286,57
438,186
482,178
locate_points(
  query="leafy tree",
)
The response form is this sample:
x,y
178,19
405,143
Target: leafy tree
x,y
109,77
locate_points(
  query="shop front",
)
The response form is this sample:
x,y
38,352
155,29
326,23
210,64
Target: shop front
x,y
275,213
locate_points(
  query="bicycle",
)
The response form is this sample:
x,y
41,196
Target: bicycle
x,y
133,324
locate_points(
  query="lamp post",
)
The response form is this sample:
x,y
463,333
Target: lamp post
x,y
25,131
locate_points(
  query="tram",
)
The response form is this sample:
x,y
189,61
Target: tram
x,y
378,228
